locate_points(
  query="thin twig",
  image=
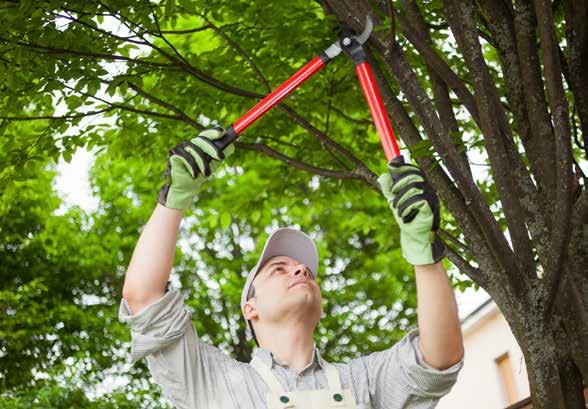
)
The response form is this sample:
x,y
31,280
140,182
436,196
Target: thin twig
x,y
180,56
67,51
446,235
472,272
164,104
242,53
195,30
68,116
125,107
128,39
296,163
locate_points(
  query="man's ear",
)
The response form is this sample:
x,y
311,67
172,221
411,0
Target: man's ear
x,y
250,309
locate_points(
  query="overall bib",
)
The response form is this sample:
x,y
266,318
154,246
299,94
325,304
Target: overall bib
x,y
332,397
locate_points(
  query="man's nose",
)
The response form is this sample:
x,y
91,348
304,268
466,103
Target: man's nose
x,y
300,269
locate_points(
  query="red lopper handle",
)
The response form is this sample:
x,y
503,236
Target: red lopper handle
x,y
278,94
379,114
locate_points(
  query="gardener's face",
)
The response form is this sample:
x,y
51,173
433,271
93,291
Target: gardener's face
x,y
285,289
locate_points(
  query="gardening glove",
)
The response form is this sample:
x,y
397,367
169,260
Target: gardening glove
x,y
189,163
416,209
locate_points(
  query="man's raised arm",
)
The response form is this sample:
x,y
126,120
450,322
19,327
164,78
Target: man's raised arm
x,y
152,259
416,209
187,166
440,338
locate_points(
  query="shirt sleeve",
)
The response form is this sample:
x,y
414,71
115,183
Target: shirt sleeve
x,y
399,377
187,369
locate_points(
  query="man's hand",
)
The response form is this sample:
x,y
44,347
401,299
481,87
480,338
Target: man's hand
x,y
416,209
187,166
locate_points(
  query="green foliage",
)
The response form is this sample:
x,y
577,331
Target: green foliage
x,y
53,396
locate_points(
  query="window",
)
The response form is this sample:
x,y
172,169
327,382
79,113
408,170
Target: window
x,y
507,378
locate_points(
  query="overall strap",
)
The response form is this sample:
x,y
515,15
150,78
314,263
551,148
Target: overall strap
x,y
332,376
267,375
335,390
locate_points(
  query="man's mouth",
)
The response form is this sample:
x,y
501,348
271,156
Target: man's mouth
x,y
299,282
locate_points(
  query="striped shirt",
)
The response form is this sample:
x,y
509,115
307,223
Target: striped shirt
x,y
194,374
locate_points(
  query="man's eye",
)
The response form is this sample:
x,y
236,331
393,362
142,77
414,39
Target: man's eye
x,y
275,269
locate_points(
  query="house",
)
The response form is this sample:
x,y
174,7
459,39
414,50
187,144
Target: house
x,y
494,375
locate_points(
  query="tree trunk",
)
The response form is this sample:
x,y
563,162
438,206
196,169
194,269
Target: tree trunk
x,y
570,375
555,380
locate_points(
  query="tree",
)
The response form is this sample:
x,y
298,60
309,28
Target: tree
x,y
50,262
463,81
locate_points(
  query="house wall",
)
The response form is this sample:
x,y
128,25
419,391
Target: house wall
x,y
487,337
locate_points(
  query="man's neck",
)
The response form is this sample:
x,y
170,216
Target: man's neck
x,y
291,345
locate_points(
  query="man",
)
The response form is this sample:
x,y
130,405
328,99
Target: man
x,y
282,304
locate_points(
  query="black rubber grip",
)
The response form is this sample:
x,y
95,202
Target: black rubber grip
x,y
324,58
228,138
399,160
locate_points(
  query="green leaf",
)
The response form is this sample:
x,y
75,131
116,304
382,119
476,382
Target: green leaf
x,y
67,155
170,6
225,220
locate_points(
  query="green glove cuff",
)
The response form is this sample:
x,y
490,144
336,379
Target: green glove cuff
x,y
422,249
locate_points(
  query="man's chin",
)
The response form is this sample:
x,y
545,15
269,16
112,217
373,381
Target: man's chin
x,y
302,298
301,284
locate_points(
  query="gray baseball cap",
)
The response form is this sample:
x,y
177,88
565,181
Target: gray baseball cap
x,y
284,242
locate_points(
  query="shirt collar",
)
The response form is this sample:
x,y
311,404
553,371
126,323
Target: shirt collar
x,y
268,358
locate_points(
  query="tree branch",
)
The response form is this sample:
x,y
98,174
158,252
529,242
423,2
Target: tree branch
x,y
327,118
123,106
183,63
440,91
576,15
69,17
541,143
102,56
500,22
563,153
448,236
472,272
437,64
197,29
279,141
350,119
499,143
68,116
474,231
242,53
160,35
259,147
180,114
369,176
